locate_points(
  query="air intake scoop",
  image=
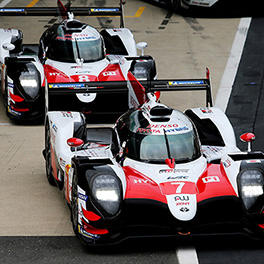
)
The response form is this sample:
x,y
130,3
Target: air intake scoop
x,y
160,111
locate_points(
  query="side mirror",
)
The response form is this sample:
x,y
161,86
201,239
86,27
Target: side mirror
x,y
141,46
8,46
75,142
248,137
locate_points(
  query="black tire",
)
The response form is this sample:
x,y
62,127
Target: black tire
x,y
47,154
175,5
74,205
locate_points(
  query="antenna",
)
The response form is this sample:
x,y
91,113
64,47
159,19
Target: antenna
x,y
122,23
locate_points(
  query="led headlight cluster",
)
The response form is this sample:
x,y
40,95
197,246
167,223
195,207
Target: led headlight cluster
x,y
140,73
29,81
106,191
251,186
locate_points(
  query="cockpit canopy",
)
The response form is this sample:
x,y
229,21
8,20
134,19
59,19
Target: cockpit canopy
x,y
154,142
151,148
71,46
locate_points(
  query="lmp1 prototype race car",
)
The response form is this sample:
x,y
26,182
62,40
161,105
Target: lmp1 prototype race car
x,y
177,5
157,173
69,51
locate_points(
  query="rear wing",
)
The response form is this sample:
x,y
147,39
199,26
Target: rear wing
x,y
63,10
126,86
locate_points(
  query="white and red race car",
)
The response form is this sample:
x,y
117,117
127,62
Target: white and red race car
x,y
177,5
69,51
157,172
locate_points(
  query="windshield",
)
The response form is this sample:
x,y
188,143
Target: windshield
x,y
153,148
68,49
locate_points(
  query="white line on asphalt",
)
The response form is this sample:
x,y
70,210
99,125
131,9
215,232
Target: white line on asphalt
x,y
5,124
4,3
187,255
228,77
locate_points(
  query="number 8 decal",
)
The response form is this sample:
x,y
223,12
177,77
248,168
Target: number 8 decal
x,y
83,78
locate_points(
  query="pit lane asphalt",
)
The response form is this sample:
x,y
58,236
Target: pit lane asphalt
x,y
34,220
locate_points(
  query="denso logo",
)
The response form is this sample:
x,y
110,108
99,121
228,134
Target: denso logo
x,y
162,126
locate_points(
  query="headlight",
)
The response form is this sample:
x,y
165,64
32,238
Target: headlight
x,y
107,193
251,186
140,73
29,81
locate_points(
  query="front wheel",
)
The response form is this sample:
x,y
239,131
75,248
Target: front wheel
x,y
74,205
49,172
175,5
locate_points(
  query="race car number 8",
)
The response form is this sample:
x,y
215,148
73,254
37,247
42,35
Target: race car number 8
x,y
83,78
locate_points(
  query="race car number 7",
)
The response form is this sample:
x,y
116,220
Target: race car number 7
x,y
180,186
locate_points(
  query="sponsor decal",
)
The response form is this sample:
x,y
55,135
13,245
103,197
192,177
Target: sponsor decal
x,y
148,131
209,179
174,171
182,203
82,196
86,234
177,129
11,85
158,131
162,126
13,112
104,9
227,163
177,178
12,10
62,162
184,209
206,110
181,198
212,149
54,73
176,83
67,114
66,85
141,181
54,127
109,73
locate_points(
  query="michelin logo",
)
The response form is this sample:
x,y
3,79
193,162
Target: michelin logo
x,y
179,83
82,197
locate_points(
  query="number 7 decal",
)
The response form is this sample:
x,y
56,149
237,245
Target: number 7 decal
x,y
180,186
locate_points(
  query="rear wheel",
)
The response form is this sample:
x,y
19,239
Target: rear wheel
x,y
49,173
